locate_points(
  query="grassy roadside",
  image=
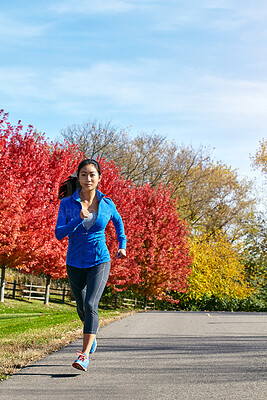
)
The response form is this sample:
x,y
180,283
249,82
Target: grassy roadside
x,y
31,330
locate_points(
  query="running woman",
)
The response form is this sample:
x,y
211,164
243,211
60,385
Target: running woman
x,y
82,217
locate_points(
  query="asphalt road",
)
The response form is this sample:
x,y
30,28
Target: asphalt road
x,y
157,356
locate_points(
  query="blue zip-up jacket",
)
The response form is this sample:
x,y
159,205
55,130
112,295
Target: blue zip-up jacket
x,y
88,247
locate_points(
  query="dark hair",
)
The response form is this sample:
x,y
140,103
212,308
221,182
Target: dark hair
x,y
68,187
89,161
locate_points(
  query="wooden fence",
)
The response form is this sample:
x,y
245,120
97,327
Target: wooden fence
x,y
134,303
32,291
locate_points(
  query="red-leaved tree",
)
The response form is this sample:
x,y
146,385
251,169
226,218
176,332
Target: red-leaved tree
x,y
158,257
31,172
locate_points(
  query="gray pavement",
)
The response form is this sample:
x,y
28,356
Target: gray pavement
x,y
157,355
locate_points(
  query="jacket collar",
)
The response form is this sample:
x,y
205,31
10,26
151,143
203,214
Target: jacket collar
x,y
76,195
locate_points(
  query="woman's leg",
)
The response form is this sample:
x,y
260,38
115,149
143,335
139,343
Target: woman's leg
x,y
77,278
97,277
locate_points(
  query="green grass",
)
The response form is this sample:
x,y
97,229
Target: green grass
x,y
30,330
22,316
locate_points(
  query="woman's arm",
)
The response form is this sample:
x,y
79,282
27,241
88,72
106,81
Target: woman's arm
x,y
119,227
63,227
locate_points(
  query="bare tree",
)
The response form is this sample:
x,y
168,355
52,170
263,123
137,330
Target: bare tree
x,y
210,194
97,140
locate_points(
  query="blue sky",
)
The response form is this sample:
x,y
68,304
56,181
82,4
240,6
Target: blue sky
x,y
193,70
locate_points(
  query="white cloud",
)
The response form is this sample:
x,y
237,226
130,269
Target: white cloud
x,y
25,90
92,7
138,90
209,15
225,113
14,27
205,99
15,81
235,97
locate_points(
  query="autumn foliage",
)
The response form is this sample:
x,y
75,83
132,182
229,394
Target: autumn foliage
x,y
217,268
31,172
162,262
158,252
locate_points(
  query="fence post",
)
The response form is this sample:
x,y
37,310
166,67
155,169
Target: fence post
x,y
14,289
2,286
63,294
145,302
30,291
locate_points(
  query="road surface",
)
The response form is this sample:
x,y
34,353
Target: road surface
x,y
157,356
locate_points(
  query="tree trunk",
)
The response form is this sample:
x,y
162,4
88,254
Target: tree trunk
x,y
47,290
2,286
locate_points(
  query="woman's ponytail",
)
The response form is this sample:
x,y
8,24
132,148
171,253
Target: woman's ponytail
x,y
68,187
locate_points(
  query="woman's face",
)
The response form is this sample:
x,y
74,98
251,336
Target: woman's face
x,y
89,177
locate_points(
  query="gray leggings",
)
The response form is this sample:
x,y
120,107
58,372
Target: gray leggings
x,y
87,285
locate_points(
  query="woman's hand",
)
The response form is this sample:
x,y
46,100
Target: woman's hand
x,y
84,213
121,253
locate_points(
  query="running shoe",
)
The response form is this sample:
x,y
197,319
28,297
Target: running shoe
x,y
94,346
82,361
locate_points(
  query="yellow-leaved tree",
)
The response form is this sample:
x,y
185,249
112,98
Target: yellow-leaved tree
x,y
260,158
217,269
